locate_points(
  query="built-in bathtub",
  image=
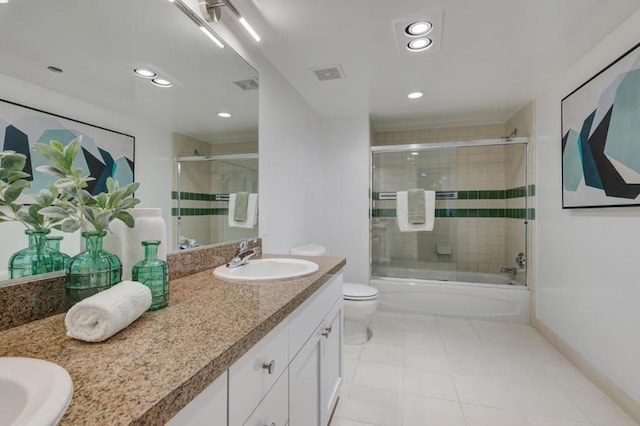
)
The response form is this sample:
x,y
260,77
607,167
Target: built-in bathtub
x,y
471,295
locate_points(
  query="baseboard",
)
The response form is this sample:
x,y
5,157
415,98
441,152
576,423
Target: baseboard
x,y
622,398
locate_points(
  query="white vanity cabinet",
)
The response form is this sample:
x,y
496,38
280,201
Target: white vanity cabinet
x,y
331,361
315,371
292,376
209,408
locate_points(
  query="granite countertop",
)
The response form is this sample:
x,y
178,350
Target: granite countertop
x,y
146,373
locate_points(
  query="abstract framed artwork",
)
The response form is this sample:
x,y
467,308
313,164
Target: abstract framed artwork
x,y
601,137
105,153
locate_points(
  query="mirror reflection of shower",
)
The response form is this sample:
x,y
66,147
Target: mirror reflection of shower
x,y
480,215
206,185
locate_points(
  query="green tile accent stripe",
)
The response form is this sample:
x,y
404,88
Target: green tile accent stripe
x,y
199,212
498,194
489,213
195,196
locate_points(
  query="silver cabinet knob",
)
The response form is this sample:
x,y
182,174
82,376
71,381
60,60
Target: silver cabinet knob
x,y
327,331
270,366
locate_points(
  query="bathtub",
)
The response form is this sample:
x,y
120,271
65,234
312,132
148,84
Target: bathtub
x,y
499,299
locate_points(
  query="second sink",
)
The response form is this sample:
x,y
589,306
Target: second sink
x,y
268,270
33,392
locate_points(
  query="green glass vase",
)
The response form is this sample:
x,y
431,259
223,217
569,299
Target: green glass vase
x,y
154,273
36,259
92,271
54,244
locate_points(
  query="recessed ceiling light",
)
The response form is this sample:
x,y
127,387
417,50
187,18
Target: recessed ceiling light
x,y
4,1
419,44
144,73
161,82
415,95
224,114
418,28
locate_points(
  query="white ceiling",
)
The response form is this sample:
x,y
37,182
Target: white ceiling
x,y
494,57
98,43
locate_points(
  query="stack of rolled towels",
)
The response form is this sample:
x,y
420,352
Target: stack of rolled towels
x,y
102,315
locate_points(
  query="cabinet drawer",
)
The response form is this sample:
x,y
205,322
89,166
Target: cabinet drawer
x,y
310,314
274,408
250,378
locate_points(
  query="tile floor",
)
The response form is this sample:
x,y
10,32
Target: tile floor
x,y
421,370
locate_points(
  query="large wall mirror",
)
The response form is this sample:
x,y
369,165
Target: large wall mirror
x,y
97,44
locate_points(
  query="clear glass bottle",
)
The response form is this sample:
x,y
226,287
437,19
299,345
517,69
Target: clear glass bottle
x,y
154,273
54,244
36,259
91,271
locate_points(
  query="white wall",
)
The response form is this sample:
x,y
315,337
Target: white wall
x,y
588,288
345,178
290,146
153,161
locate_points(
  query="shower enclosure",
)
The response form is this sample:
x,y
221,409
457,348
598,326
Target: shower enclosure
x,y
481,212
204,183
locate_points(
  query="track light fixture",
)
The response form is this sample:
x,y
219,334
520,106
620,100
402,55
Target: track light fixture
x,y
212,12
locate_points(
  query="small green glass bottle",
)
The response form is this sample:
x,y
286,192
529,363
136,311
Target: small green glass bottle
x,y
154,273
54,244
36,259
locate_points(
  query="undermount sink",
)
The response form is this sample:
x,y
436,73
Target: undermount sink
x,y
33,391
267,270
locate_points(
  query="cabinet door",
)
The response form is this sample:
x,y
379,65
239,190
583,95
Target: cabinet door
x,y
304,384
273,409
209,408
331,361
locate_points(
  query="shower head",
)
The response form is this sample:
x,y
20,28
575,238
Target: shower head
x,y
512,134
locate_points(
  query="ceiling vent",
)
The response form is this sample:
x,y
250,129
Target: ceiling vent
x,y
250,84
328,73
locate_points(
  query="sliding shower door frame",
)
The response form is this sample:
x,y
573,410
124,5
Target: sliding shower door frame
x,y
444,145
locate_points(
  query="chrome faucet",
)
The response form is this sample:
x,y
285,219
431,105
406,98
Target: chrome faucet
x,y
509,270
244,254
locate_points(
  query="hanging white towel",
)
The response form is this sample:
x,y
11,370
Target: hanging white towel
x,y
102,315
402,212
252,212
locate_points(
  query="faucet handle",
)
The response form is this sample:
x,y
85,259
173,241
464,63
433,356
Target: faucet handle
x,y
244,245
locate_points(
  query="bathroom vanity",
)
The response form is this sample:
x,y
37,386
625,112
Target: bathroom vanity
x,y
222,352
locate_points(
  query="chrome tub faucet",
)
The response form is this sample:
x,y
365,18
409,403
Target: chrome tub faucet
x,y
509,270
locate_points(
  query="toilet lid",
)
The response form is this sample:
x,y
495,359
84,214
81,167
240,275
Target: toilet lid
x,y
352,291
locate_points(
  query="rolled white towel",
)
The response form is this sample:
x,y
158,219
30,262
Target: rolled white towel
x,y
102,315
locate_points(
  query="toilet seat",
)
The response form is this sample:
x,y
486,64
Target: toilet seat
x,y
359,292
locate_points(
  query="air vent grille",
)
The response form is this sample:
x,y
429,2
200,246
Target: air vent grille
x,y
328,73
250,84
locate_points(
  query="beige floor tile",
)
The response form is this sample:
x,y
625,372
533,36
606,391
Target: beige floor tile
x,y
423,411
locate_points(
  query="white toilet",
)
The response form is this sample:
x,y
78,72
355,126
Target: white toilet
x,y
360,301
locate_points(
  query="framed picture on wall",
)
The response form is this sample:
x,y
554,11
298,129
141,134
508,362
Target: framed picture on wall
x,y
105,153
601,137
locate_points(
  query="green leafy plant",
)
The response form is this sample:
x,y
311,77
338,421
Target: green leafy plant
x,y
13,182
74,207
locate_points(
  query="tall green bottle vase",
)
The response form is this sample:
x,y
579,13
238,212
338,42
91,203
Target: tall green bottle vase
x,y
154,273
36,259
92,271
